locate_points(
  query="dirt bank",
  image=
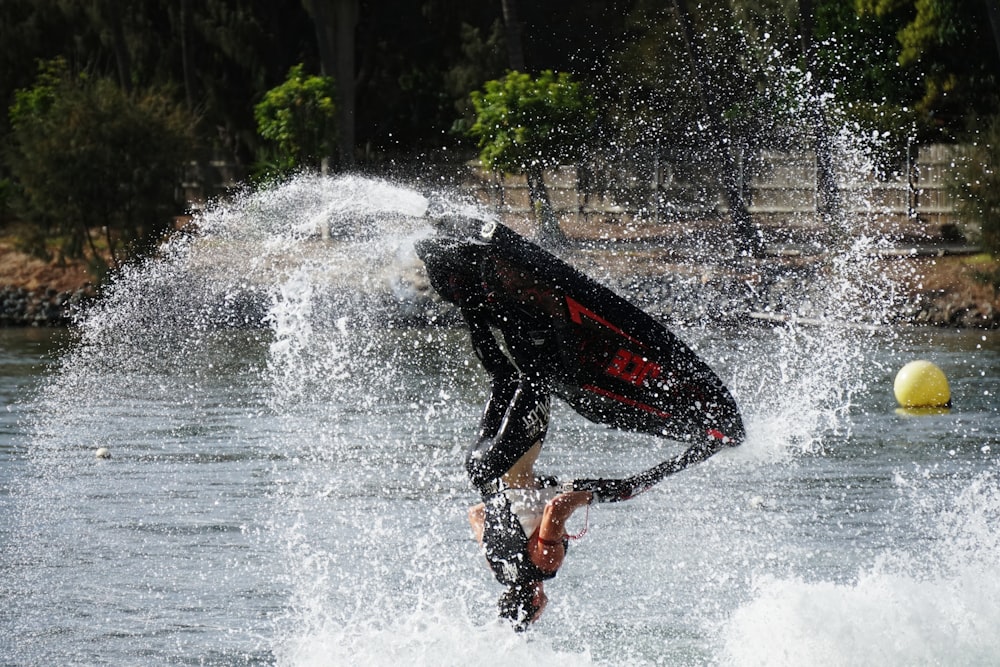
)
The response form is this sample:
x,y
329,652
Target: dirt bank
x,y
950,290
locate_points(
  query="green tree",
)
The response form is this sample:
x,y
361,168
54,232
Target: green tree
x,y
709,81
978,187
527,124
298,121
94,162
949,47
336,22
217,57
855,60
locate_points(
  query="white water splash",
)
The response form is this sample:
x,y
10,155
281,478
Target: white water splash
x,y
434,633
360,519
933,607
299,361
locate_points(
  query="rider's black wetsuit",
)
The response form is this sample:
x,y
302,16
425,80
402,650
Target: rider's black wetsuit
x,y
506,544
516,417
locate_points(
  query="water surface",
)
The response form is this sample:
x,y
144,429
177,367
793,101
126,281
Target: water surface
x,y
286,483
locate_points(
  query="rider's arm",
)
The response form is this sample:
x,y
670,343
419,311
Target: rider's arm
x,y
548,551
615,490
476,518
604,490
485,344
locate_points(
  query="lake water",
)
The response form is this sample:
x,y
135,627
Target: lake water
x,y
290,490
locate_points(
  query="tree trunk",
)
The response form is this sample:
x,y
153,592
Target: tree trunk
x,y
347,21
118,44
828,205
550,234
512,34
993,10
335,22
183,21
732,174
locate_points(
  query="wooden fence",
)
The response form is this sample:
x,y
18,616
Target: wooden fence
x,y
660,197
652,194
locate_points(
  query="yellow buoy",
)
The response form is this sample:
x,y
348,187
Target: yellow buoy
x,y
921,384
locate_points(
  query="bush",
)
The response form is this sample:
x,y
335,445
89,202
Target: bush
x,y
524,125
88,156
297,120
522,122
979,186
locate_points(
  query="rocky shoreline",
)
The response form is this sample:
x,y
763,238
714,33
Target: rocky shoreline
x,y
966,306
44,307
935,287
953,310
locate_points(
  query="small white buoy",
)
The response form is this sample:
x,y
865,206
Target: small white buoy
x,y
921,384
103,453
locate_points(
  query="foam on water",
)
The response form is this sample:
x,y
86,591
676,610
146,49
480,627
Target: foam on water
x,y
932,602
436,633
939,606
300,362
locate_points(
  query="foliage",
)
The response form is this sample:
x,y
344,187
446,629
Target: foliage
x,y
883,65
978,187
215,57
856,56
659,97
297,120
417,62
6,190
524,122
482,57
742,74
946,48
87,156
